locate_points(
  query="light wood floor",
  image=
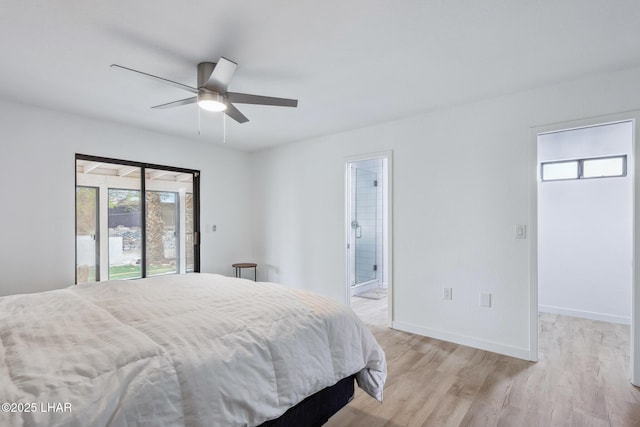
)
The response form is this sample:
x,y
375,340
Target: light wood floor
x,y
580,380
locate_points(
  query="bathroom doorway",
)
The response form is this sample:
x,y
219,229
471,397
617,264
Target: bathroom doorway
x,y
367,234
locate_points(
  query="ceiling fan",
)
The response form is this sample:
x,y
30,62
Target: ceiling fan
x,y
212,94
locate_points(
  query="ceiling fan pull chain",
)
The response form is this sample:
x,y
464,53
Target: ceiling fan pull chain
x,y
198,122
224,128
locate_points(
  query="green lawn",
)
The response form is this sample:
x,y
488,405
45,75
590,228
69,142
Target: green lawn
x,y
117,272
160,269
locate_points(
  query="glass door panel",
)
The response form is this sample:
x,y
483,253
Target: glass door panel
x,y
170,227
87,245
189,229
125,237
364,225
162,232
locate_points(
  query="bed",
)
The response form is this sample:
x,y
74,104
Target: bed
x,y
181,350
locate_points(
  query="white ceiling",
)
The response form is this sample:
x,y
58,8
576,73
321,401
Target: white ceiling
x,y
351,63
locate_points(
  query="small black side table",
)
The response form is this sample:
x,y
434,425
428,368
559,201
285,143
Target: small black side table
x,y
240,265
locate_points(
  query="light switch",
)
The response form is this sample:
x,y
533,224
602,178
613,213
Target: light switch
x,y
521,231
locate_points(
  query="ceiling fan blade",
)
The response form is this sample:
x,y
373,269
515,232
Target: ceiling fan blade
x,y
245,98
235,114
185,101
161,79
221,75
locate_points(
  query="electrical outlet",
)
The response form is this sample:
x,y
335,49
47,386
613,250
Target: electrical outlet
x,y
447,293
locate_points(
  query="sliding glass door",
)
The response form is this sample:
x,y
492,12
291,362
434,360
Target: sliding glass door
x,y
134,220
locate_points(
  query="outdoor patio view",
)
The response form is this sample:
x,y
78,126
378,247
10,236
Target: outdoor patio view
x,y
169,223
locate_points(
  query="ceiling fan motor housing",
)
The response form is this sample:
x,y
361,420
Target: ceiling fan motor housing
x,y
204,72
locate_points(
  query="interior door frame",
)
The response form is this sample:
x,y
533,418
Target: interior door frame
x,y
634,342
387,221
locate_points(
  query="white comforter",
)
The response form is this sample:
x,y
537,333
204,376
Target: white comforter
x,y
192,350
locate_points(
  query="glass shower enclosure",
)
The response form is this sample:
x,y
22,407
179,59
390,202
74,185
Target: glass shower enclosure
x,y
364,224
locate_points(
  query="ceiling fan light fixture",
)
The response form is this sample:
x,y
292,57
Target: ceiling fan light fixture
x,y
211,101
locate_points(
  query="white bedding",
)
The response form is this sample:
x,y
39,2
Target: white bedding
x,y
192,350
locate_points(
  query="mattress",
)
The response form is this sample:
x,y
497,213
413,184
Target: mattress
x,y
192,350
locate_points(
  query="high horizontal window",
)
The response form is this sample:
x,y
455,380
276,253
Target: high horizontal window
x,y
134,220
599,167
560,170
609,166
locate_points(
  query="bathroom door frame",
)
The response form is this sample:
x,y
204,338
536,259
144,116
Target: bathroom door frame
x,y
387,224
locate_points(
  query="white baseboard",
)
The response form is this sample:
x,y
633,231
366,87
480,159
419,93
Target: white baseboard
x,y
494,347
611,318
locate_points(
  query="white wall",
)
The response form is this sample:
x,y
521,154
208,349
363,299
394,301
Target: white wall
x,y
585,229
37,173
460,185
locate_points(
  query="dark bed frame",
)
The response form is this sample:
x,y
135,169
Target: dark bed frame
x,y
316,409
